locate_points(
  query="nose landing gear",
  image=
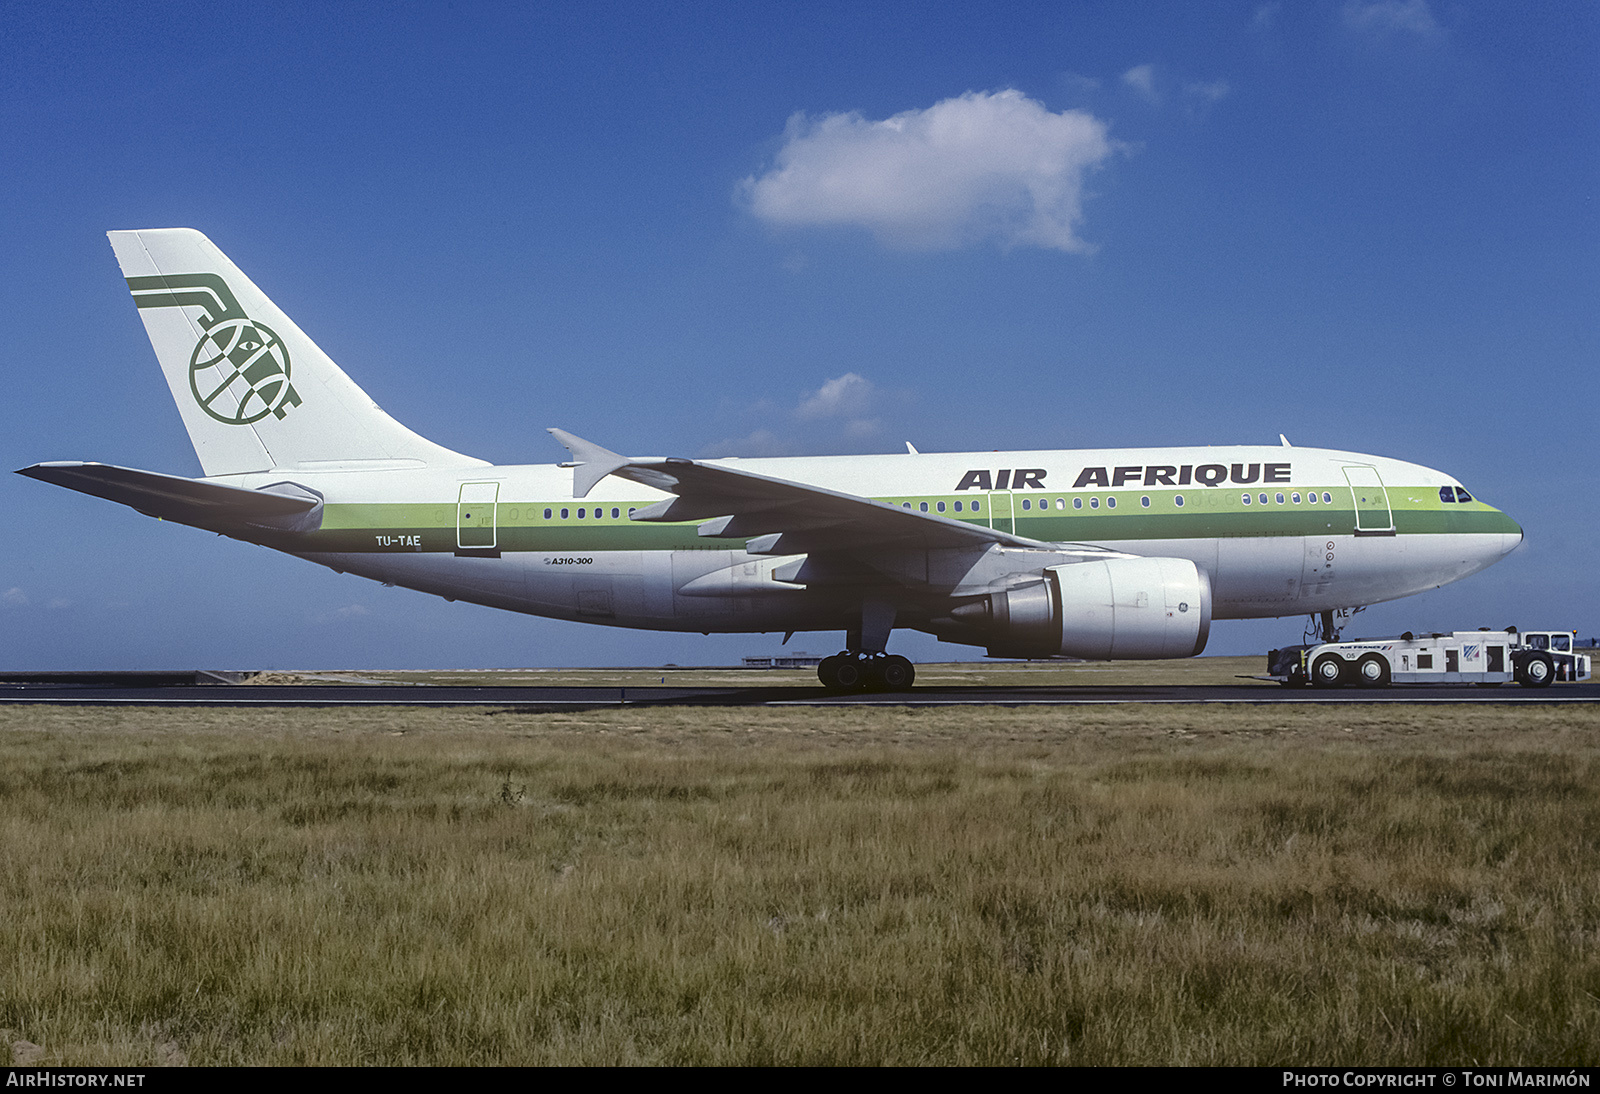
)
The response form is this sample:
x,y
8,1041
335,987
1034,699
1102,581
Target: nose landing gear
x,y
857,671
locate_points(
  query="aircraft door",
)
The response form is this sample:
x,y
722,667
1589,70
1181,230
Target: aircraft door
x,y
1001,516
1373,515
476,516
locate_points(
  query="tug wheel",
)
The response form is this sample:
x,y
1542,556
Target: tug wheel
x,y
1537,671
1372,672
1327,671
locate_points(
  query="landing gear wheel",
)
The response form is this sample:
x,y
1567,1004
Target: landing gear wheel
x,y
849,674
827,670
1372,671
896,673
1327,671
1537,671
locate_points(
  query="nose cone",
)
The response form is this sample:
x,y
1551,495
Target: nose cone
x,y
1511,537
1508,540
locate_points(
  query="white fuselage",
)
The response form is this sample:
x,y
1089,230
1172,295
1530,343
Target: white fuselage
x,y
542,551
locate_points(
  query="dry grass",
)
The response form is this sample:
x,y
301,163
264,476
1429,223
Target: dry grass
x,y
1254,885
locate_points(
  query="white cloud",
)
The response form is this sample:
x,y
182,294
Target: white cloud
x,y
1387,16
835,417
759,442
1142,79
14,597
1265,16
1199,96
986,165
1207,92
345,614
836,398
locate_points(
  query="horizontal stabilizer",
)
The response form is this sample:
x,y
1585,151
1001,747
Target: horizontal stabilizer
x,y
284,506
591,462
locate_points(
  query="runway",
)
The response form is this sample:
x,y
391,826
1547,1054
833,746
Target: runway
x,y
180,690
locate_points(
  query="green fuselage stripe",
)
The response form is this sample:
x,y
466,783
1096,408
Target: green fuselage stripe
x,y
1207,514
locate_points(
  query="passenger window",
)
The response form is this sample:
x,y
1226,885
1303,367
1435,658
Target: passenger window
x,y
976,506
1061,503
1111,503
1264,499
615,513
580,514
958,507
547,514
905,505
1296,497
1312,498
1280,499
1026,504
1462,495
941,507
1077,503
1245,498
923,507
1327,498
1094,503
1145,502
564,514
1178,501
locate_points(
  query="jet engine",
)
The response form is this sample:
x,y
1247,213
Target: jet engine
x,y
1115,609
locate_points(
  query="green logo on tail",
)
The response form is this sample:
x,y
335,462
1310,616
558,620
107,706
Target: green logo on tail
x,y
239,370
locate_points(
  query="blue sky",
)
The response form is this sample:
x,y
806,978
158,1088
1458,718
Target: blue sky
x,y
1367,225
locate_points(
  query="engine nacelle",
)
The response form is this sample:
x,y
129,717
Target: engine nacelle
x,y
1116,609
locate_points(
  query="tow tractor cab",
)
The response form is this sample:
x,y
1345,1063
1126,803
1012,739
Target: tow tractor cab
x,y
1532,658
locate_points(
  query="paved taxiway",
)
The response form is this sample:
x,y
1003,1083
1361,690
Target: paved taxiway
x,y
142,693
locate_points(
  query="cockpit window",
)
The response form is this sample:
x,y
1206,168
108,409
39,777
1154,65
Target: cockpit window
x,y
1561,643
1462,495
1538,642
1447,494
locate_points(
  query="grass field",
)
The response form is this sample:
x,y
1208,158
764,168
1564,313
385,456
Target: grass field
x,y
1188,885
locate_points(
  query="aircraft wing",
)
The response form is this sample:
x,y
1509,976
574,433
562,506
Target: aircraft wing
x,y
283,506
741,504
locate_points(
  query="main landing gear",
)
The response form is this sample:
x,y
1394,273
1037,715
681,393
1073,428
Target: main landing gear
x,y
846,671
863,665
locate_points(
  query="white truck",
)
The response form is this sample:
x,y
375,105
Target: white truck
x,y
1532,658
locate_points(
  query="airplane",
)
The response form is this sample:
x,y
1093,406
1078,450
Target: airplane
x,y
1096,554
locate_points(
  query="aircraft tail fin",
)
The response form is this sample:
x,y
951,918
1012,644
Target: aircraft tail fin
x,y
253,390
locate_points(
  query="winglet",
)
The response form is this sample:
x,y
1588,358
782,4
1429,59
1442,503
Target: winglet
x,y
593,462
